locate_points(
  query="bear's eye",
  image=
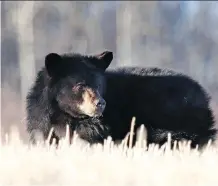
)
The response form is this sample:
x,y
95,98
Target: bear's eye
x,y
78,86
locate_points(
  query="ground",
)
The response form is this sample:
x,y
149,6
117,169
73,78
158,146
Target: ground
x,y
112,165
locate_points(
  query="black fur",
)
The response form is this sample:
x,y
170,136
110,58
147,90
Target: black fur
x,y
51,100
163,100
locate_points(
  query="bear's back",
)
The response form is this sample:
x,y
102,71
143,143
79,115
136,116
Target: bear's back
x,y
162,99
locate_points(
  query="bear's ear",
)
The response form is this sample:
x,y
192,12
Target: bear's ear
x,y
106,57
52,63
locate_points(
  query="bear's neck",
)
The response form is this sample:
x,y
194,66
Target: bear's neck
x,y
61,117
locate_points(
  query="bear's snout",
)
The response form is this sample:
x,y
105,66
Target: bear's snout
x,y
92,103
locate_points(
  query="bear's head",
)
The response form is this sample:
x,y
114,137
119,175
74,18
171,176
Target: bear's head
x,y
76,82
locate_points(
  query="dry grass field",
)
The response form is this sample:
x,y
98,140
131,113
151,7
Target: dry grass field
x,y
79,164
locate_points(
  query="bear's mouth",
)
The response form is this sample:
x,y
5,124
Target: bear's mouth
x,y
98,116
95,115
86,117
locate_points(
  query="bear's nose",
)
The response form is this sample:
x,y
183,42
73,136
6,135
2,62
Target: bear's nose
x,y
101,103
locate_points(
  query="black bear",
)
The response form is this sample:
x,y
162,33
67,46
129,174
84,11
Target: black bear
x,y
68,90
77,90
163,100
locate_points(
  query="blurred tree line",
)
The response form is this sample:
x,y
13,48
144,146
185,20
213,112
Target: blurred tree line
x,y
182,35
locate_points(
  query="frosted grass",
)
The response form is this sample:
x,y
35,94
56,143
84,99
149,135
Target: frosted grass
x,y
79,164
